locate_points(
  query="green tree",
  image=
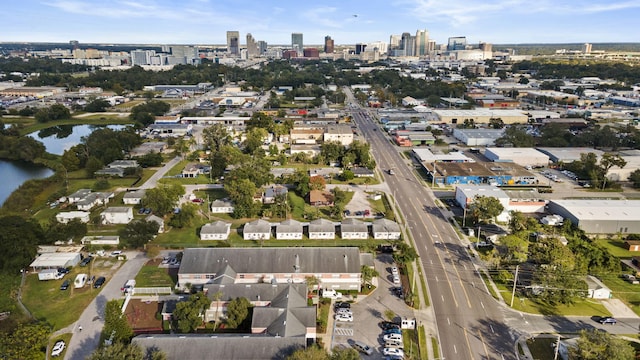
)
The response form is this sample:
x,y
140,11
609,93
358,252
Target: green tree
x,y
516,136
241,193
634,177
516,247
313,352
93,164
317,183
163,198
27,341
594,344
139,232
149,160
517,222
20,238
97,105
237,312
254,139
312,283
344,354
188,315
116,327
368,273
607,161
127,352
485,208
496,123
405,254
185,216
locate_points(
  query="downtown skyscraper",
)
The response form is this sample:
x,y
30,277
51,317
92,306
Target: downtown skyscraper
x,y
233,42
296,43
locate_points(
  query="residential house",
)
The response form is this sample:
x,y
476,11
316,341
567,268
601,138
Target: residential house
x,y
320,198
194,169
273,191
354,229
101,240
322,229
158,220
325,172
596,289
289,230
123,164
632,245
257,230
76,196
217,230
111,172
335,267
133,197
222,207
385,229
117,215
66,217
94,199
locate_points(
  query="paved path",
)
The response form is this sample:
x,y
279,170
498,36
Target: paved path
x,y
84,342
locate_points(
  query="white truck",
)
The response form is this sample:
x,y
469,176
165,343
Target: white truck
x,y
331,294
80,280
128,286
49,274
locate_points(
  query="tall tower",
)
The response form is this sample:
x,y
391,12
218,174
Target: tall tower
x,y
252,46
586,48
408,44
296,43
328,45
422,42
233,42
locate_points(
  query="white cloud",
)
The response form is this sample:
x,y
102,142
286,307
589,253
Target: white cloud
x,y
322,16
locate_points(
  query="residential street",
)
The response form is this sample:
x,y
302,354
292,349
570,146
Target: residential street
x,y
86,341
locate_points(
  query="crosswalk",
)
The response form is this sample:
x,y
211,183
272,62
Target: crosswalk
x,y
343,331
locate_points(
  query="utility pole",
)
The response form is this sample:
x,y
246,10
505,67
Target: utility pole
x,y
555,357
515,281
433,175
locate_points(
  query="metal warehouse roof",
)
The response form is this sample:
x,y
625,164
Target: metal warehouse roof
x,y
620,210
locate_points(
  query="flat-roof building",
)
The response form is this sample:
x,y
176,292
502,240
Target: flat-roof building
x,y
520,156
481,116
478,137
600,216
569,154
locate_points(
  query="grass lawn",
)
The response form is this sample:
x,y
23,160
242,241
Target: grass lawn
x,y
67,338
410,342
626,292
9,285
542,348
92,120
324,307
58,307
153,276
616,248
582,307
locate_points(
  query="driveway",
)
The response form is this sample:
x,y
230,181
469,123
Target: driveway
x,y
84,342
368,312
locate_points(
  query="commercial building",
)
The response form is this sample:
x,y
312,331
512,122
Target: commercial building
x,y
568,155
600,216
520,156
297,44
478,137
481,116
338,133
328,45
426,156
453,173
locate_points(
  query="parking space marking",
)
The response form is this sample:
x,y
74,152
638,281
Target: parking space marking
x,y
343,331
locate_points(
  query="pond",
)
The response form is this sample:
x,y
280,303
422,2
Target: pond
x,y
59,138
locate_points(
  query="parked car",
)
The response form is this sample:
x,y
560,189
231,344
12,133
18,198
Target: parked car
x,y
344,317
331,294
394,344
362,347
116,253
397,291
63,271
86,261
394,270
396,279
99,282
141,211
344,312
58,348
392,331
366,213
630,278
385,325
347,213
394,337
65,285
608,320
342,305
393,352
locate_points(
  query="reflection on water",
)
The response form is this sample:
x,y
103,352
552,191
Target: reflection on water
x,y
57,139
14,173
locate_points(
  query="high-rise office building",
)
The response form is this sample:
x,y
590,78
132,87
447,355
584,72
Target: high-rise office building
x,y
394,44
422,43
586,48
233,42
296,43
142,57
360,48
328,45
185,54
262,47
252,47
408,44
457,43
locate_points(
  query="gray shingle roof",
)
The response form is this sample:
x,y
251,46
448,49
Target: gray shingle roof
x,y
257,226
385,225
322,225
271,260
289,226
216,227
353,225
228,347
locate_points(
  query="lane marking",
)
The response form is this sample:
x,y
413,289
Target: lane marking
x,y
466,336
448,321
486,351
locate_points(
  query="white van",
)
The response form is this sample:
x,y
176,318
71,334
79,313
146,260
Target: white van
x,y
80,280
331,294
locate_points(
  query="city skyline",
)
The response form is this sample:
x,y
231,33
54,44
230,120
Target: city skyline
x,y
207,21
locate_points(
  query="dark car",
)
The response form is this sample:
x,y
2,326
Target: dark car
x,y
86,261
392,331
63,271
99,282
386,325
608,320
342,305
65,285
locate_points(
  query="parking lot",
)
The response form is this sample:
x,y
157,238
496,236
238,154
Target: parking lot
x,y
368,312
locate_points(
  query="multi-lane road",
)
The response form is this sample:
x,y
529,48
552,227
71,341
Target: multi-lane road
x,y
469,322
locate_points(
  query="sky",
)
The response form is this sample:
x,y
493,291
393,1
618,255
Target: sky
x,y
346,21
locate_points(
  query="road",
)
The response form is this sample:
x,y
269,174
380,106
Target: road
x,y
84,342
470,323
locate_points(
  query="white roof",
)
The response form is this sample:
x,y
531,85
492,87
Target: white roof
x,y
72,214
50,260
621,210
471,191
426,155
569,154
510,153
478,112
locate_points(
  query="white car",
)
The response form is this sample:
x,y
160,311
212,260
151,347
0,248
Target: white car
x,y
344,312
58,348
392,337
331,294
396,279
393,352
344,317
394,270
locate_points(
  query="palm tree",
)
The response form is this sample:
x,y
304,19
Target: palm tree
x,y
368,273
311,282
